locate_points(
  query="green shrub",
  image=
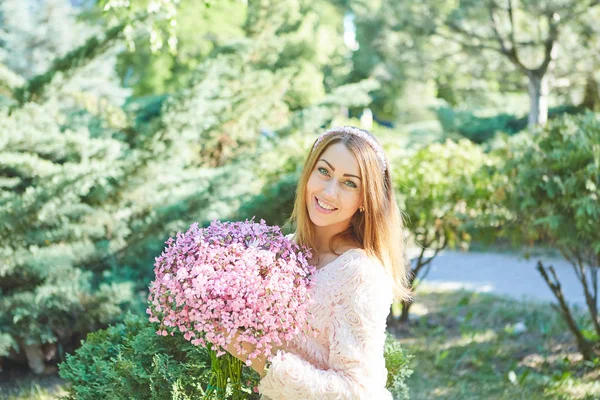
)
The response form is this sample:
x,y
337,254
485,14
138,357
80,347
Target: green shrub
x,y
130,361
552,189
396,362
482,129
445,193
6,344
274,204
552,182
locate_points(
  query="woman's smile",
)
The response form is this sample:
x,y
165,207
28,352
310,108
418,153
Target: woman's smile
x,y
323,206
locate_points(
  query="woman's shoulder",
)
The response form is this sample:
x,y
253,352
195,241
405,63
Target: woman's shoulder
x,y
359,262
365,277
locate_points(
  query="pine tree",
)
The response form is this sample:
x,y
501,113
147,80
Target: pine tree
x,y
34,33
88,195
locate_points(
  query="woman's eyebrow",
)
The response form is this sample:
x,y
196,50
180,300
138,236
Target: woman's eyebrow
x,y
333,169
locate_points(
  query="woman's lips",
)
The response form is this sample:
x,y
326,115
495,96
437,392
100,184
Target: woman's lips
x,y
321,209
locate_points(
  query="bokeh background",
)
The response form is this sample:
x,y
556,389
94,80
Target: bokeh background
x,y
124,121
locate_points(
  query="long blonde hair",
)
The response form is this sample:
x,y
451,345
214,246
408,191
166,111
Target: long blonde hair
x,y
379,229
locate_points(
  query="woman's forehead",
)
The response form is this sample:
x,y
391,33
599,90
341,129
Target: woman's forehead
x,y
339,156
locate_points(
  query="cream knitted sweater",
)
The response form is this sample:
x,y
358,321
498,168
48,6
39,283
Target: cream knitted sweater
x,y
351,296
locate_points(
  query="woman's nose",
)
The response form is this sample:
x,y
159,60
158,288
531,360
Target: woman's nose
x,y
331,188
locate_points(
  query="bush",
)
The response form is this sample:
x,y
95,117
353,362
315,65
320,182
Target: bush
x,y
444,191
396,362
552,186
6,343
130,361
482,129
274,204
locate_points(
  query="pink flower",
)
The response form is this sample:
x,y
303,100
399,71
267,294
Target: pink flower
x,y
231,277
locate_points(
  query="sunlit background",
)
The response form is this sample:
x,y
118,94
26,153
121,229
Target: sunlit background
x,y
122,122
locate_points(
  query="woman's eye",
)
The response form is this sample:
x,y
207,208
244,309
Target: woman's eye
x,y
323,171
351,184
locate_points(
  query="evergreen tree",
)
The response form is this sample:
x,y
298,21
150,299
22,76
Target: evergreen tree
x,y
57,196
34,33
89,190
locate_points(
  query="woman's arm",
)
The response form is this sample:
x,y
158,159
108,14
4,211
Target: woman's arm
x,y
357,336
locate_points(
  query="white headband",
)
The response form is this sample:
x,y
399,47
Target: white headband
x,y
360,133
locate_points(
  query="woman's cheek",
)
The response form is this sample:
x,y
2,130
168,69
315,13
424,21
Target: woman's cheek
x,y
351,196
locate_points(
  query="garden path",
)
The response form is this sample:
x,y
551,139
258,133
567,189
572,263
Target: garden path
x,y
502,273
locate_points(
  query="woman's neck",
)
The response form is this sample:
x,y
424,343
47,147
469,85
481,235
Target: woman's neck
x,y
323,235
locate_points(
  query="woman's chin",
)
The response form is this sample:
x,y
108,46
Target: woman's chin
x,y
320,220
317,219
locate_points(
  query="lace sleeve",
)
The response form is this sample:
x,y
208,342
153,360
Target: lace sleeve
x,y
356,335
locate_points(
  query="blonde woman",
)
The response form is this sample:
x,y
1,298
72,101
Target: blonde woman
x,y
346,212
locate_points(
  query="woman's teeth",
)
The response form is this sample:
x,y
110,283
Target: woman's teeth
x,y
325,206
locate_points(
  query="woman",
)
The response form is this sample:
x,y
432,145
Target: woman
x,y
346,212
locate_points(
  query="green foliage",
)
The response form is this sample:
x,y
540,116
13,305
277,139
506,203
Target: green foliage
x,y
446,192
394,48
33,34
93,209
6,344
552,187
278,163
439,189
130,359
274,204
306,87
482,129
552,183
478,129
376,57
51,224
200,30
202,114
397,364
471,48
306,33
36,87
49,47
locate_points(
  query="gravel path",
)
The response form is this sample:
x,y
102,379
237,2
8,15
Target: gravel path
x,y
500,273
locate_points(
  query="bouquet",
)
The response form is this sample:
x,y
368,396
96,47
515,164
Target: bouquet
x,y
231,277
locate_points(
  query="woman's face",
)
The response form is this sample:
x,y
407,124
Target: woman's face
x,y
334,188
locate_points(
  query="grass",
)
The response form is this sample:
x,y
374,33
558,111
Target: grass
x,y
31,387
472,346
466,346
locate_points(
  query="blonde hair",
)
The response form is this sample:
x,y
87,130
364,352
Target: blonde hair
x,y
379,229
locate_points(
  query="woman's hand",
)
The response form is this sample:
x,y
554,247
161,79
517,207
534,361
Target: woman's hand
x,y
258,363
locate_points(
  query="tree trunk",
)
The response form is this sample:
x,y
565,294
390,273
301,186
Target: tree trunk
x,y
405,309
584,346
591,97
538,99
35,358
